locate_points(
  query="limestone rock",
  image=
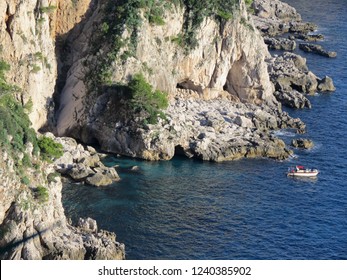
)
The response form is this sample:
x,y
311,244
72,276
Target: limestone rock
x,y
228,62
80,172
307,37
313,48
326,84
280,43
302,143
44,227
99,180
88,224
293,99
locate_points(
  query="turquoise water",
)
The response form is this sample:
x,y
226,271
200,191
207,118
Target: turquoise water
x,y
248,209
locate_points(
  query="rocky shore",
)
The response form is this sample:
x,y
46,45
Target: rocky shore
x,y
225,102
288,71
83,164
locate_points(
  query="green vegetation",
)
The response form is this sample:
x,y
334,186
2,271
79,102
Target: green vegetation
x,y
146,100
197,10
48,9
50,150
25,180
35,68
15,129
41,194
4,87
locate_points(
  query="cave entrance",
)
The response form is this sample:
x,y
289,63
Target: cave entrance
x,y
189,85
182,152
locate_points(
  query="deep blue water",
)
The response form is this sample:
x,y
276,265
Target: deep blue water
x,y
248,209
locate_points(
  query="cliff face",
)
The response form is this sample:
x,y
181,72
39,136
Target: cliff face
x,y
227,63
221,105
28,30
33,224
32,220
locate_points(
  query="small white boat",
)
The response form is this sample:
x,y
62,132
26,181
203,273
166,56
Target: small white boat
x,y
300,171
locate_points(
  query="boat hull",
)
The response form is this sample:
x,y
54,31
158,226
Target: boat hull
x,y
303,174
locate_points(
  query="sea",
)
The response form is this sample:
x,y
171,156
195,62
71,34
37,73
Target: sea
x,y
246,209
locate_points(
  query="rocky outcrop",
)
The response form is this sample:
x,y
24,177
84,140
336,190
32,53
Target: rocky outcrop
x,y
317,49
83,164
293,99
33,224
280,44
302,143
274,17
231,68
293,80
288,72
214,130
326,84
307,37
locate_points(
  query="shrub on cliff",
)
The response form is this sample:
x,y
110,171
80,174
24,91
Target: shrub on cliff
x,y
144,99
15,130
50,150
41,194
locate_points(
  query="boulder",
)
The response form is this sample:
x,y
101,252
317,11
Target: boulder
x,y
326,84
110,172
292,99
88,224
99,180
302,143
80,172
243,121
280,44
91,161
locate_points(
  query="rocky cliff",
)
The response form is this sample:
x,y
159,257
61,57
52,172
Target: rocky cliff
x,y
28,32
32,220
227,63
72,61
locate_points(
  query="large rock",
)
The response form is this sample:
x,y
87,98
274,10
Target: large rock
x,y
99,180
280,43
289,71
302,143
80,172
326,84
317,49
293,99
307,37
